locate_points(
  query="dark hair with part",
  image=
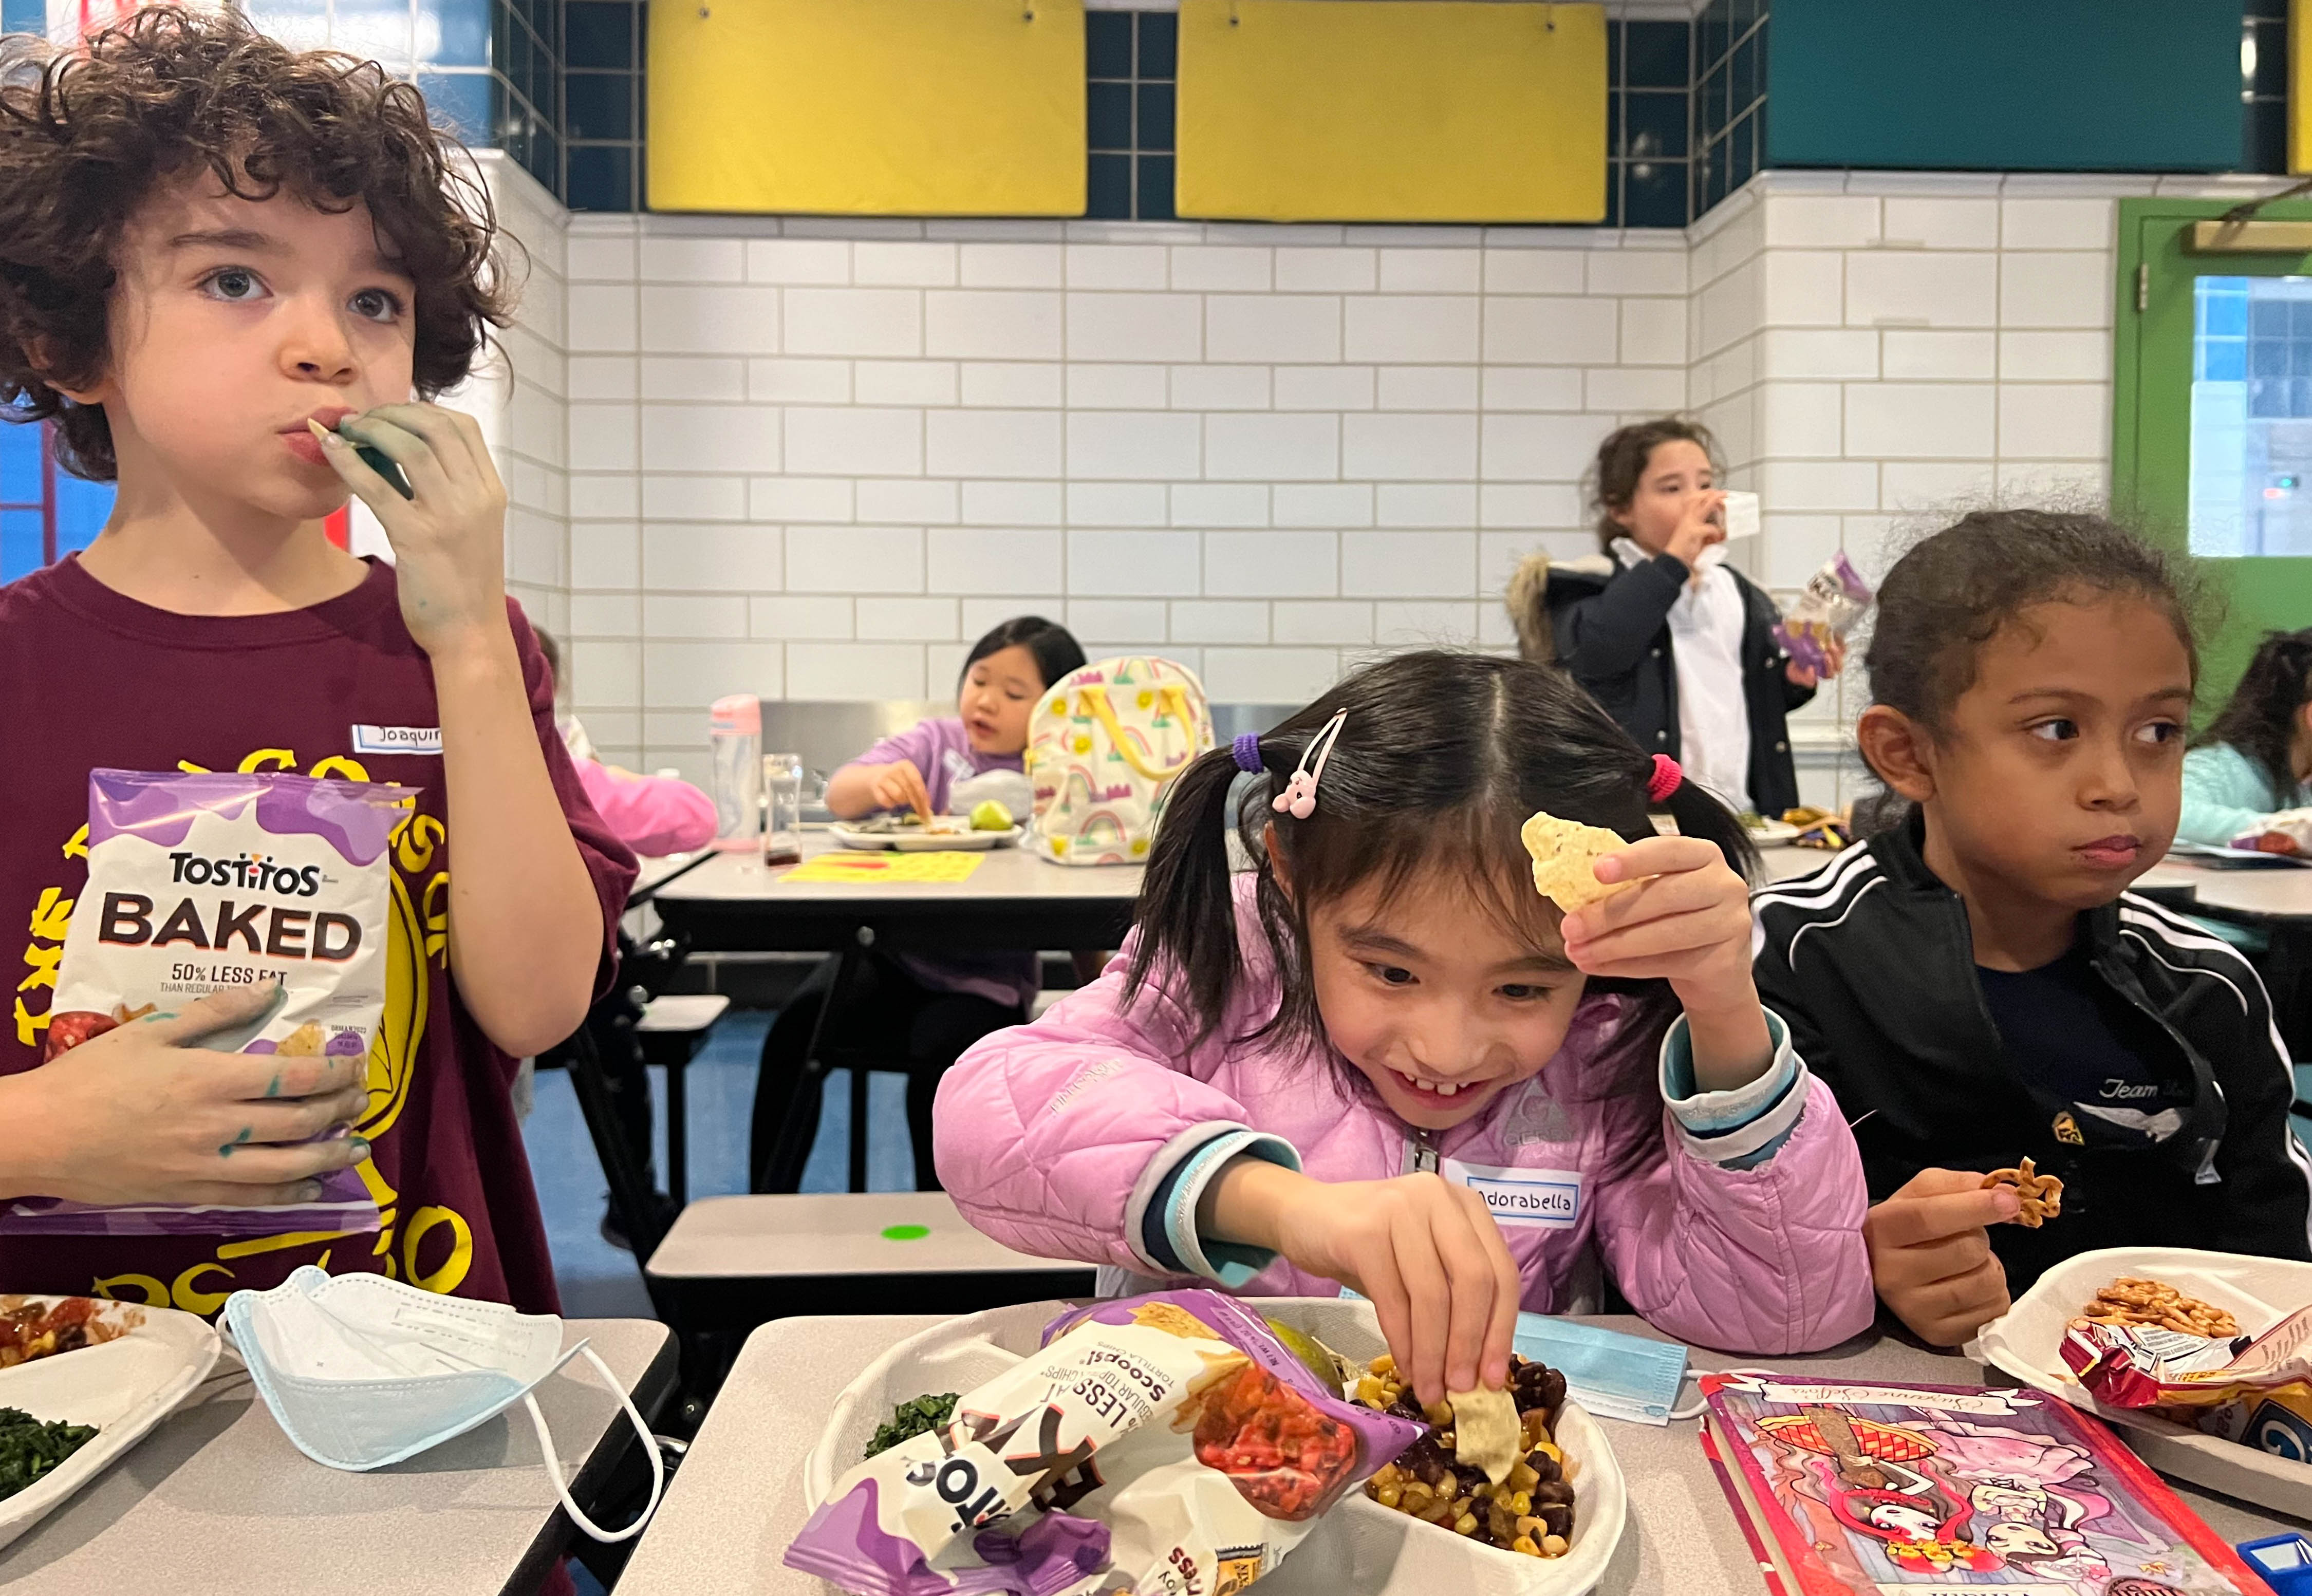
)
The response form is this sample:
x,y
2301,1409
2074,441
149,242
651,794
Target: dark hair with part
x,y
1440,761
1613,478
2267,707
1056,649
88,136
1956,589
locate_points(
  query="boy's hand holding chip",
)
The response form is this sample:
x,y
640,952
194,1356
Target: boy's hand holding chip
x,y
1663,909
448,535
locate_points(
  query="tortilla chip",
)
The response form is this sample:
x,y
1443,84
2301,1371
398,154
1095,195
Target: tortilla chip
x,y
305,1041
1174,1320
1565,855
1486,1431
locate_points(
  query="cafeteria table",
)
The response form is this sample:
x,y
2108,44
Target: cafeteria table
x,y
730,1514
217,1502
1012,900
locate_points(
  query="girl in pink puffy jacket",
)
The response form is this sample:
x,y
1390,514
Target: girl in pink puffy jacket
x,y
1380,1058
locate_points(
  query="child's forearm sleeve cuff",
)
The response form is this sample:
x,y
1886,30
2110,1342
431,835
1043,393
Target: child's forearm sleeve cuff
x,y
1742,1127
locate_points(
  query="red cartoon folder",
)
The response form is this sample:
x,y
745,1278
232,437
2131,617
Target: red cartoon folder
x,y
1847,1489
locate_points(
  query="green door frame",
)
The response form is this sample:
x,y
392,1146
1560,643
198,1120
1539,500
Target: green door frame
x,y
2151,419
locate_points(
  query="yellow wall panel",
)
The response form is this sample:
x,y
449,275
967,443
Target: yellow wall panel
x,y
1376,110
2299,87
916,108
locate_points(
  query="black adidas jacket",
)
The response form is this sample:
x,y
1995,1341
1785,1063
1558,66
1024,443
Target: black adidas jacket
x,y
1871,962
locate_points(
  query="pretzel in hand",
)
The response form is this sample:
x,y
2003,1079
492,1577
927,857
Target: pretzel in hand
x,y
2041,1195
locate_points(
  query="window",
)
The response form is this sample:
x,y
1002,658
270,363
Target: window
x,y
44,513
1130,65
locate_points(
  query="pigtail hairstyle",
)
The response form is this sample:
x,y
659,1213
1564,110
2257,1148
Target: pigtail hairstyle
x,y
2266,708
1440,761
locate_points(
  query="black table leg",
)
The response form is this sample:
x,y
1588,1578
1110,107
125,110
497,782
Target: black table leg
x,y
678,1134
792,1146
859,1124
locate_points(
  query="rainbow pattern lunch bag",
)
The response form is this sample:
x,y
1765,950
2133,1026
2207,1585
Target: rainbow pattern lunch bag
x,y
1103,748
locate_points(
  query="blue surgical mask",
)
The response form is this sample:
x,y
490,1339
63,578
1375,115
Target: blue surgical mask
x,y
361,1371
1611,1374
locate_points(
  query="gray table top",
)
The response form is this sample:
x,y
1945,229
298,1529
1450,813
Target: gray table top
x,y
1008,874
2282,893
216,1500
738,1502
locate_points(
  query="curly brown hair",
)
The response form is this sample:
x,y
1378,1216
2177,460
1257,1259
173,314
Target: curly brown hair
x,y
88,136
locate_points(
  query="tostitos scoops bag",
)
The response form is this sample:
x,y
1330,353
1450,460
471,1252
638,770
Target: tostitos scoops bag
x,y
1166,1442
209,881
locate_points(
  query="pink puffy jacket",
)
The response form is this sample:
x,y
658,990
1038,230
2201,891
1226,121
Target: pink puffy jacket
x,y
1053,1136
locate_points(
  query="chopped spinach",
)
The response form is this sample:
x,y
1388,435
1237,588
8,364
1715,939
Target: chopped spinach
x,y
30,1448
917,1418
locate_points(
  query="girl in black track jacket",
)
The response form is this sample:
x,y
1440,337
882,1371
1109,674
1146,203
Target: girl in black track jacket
x,y
1977,985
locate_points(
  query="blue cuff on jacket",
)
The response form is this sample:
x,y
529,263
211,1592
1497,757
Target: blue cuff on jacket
x,y
1743,1128
1168,1224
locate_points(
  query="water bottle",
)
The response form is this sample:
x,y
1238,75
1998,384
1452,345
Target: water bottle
x,y
783,799
734,731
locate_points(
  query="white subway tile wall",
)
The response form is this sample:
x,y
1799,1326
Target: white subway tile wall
x,y
814,458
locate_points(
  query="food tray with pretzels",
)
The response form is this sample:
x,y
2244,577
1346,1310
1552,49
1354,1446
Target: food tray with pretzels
x,y
2195,1356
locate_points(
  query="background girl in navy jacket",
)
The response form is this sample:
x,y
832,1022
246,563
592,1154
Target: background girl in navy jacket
x,y
1677,645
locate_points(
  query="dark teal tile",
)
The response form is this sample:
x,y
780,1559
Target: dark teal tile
x,y
2263,136
599,33
1155,188
458,101
1654,194
1653,124
2271,58
1108,191
1742,161
1155,119
1107,44
1614,26
601,178
1715,40
1159,45
545,163
1742,85
1107,116
1656,54
597,105
2276,10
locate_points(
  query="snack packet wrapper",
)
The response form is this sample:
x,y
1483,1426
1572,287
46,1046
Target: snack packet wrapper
x,y
2295,825
1833,600
204,882
1161,1443
2255,1391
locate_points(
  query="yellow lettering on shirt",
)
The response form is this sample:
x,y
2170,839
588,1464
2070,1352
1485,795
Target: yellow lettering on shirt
x,y
43,962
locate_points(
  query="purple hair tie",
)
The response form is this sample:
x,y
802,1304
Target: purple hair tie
x,y
1247,752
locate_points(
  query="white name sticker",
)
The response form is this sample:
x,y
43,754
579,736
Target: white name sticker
x,y
397,739
1548,1198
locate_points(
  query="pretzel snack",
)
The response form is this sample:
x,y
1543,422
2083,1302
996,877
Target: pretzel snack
x,y
2041,1195
2129,1301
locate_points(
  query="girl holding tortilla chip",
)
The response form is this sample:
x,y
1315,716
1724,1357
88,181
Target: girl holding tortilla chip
x,y
1381,1058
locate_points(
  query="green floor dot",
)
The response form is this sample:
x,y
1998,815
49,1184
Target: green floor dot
x,y
905,1233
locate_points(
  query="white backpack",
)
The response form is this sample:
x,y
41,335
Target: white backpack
x,y
1103,748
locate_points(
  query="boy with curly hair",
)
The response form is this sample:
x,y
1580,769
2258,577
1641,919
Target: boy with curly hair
x,y
217,256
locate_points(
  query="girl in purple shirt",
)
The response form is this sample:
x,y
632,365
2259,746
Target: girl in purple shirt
x,y
907,1012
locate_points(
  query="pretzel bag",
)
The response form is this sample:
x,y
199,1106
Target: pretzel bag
x,y
207,882
2255,1391
1167,1442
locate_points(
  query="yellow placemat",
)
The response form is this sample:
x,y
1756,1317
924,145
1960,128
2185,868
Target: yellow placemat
x,y
910,867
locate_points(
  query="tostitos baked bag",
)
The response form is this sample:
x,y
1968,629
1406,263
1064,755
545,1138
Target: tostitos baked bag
x,y
200,883
1167,1442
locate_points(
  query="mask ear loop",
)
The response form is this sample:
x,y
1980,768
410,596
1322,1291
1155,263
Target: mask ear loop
x,y
1695,1409
554,1462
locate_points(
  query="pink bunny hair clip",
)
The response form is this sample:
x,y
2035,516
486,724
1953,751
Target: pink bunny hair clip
x,y
1299,799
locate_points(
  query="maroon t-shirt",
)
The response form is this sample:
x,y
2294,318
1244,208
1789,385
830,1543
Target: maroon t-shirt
x,y
91,678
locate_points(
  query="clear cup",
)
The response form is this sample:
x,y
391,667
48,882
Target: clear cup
x,y
783,806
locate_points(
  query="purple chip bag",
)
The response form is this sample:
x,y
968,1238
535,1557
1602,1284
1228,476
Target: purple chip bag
x,y
221,881
1088,1467
1833,599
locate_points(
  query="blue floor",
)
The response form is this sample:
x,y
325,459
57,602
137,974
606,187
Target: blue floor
x,y
598,1281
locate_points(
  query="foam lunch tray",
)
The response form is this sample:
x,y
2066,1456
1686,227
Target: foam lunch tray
x,y
2257,1291
1359,1545
125,1385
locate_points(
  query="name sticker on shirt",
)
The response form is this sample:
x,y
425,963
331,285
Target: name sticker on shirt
x,y
1548,1198
397,739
